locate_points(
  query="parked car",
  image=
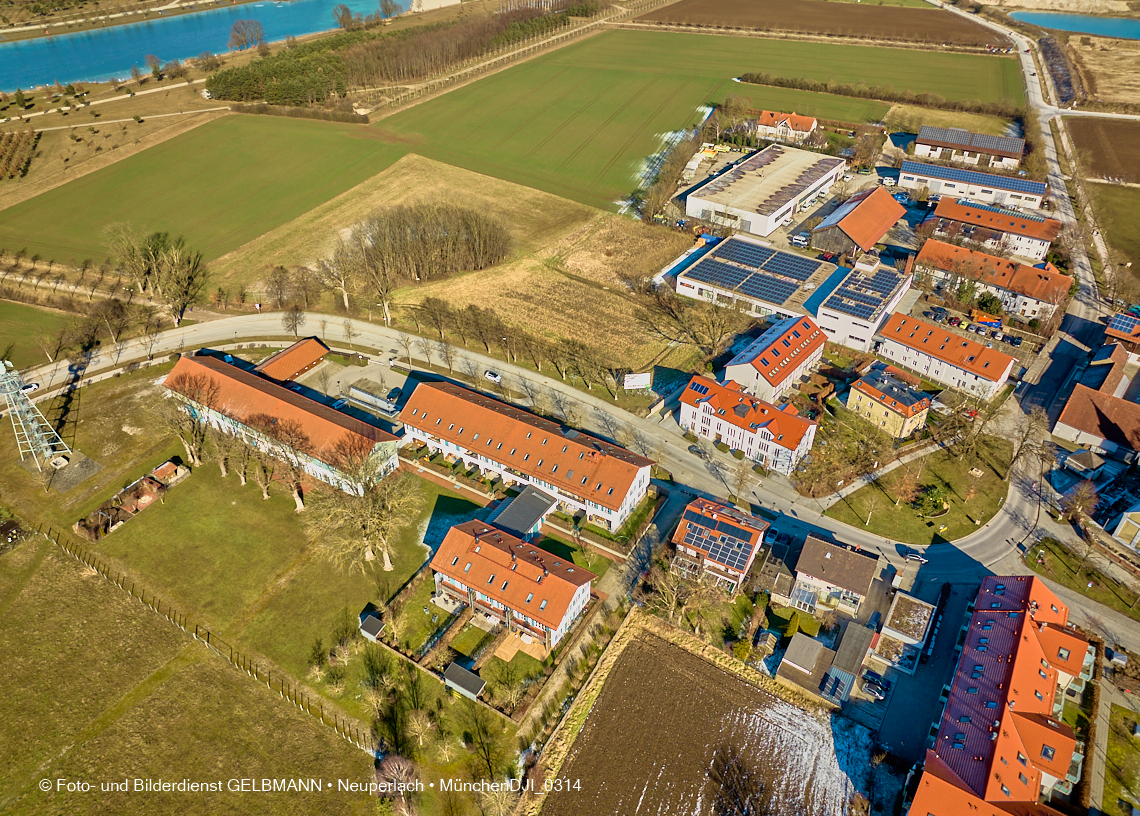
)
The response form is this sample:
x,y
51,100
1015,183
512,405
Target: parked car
x,y
1017,341
877,679
774,535
30,388
990,344
955,321
998,335
801,239
939,317
874,690
888,181
395,394
493,377
1007,339
928,315
340,403
940,309
846,176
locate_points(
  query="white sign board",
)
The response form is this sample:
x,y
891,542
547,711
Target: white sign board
x,y
635,382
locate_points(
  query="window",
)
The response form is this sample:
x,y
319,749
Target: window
x,y
564,448
1021,757
540,461
1003,761
963,719
1054,607
1044,676
476,436
455,560
972,690
1048,752
504,586
1038,694
465,569
528,435
1023,778
526,456
1005,790
491,580
513,451
543,604
529,597
584,479
991,704
1063,654
544,441
554,469
460,430
452,425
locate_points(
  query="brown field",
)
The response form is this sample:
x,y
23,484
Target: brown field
x,y
887,22
663,715
1108,67
1109,148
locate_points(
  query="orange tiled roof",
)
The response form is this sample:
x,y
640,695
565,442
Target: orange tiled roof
x,y
1047,285
712,512
289,362
803,124
1130,328
242,393
520,575
1044,229
944,345
744,411
893,389
939,793
777,359
1057,641
875,212
1103,415
572,461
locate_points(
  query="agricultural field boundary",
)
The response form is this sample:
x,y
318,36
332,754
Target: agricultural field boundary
x,y
639,625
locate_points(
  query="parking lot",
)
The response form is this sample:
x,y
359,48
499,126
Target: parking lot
x,y
332,380
993,337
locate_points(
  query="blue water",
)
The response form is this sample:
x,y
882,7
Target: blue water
x,y
1101,26
109,52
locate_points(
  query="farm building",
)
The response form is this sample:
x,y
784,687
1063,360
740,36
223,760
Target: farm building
x,y
762,281
511,581
762,191
776,360
884,398
789,128
999,739
938,354
831,575
719,541
230,398
1026,235
852,314
583,473
983,187
859,223
1028,291
775,438
290,363
1103,411
958,145
1124,329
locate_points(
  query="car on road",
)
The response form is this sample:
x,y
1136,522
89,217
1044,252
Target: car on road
x,y
917,558
697,450
30,388
877,679
1033,74
295,387
340,403
493,376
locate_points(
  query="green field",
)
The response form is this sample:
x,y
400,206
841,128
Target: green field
x,y
220,185
19,327
1118,211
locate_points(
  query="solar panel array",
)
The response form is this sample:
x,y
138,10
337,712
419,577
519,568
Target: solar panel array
x,y
964,138
864,296
970,177
973,205
754,271
700,388
725,543
1124,323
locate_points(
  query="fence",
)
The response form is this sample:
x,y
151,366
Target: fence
x,y
347,728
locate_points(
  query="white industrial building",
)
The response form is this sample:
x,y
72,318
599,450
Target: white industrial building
x,y
852,314
984,187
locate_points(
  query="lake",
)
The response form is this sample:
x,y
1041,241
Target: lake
x,y
106,53
1085,24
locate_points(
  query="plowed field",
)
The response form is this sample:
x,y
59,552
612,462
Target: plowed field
x,y
836,19
665,717
1111,147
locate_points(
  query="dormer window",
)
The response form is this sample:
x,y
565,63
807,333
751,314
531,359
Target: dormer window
x,y
543,604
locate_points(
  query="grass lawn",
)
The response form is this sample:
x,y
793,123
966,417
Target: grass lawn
x,y
903,523
521,665
1122,769
780,616
1055,562
19,327
220,185
1118,213
470,639
597,564
418,623
911,117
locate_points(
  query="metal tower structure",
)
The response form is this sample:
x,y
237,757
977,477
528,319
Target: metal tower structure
x,y
34,435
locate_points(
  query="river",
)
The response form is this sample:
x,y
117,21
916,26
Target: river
x,y
106,53
1119,27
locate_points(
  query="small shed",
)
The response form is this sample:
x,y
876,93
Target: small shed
x,y
467,683
370,624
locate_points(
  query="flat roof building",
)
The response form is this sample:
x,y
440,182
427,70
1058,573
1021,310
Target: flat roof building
x,y
776,360
855,310
984,187
759,192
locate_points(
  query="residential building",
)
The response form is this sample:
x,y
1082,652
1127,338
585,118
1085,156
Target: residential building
x,y
748,274
1001,745
807,663
1124,329
859,223
884,398
935,353
1028,291
790,128
855,310
1026,235
1103,411
836,576
584,473
776,360
236,396
775,438
907,625
847,666
290,363
984,187
511,581
719,541
958,145
762,191
1127,530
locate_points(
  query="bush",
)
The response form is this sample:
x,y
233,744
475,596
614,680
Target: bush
x,y
738,454
743,650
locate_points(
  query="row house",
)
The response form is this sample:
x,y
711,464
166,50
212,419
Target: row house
x,y
1026,235
936,353
582,472
512,581
776,360
775,438
719,541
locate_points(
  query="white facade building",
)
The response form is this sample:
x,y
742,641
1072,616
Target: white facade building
x,y
983,187
938,354
776,360
852,315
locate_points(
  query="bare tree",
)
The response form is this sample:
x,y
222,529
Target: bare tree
x,y
202,392
293,319
350,333
278,285
222,446
1080,502
420,726
446,352
1026,437
907,488
425,347
436,313
406,342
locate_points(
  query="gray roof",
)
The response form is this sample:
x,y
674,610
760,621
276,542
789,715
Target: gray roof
x,y
803,651
1084,460
468,681
965,140
518,516
371,625
879,378
853,648
838,564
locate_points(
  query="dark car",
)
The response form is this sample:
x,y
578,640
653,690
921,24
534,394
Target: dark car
x,y
877,679
697,450
1017,341
940,310
928,315
939,317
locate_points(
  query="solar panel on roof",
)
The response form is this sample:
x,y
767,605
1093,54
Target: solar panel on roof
x,y
971,177
767,288
1124,323
700,388
735,557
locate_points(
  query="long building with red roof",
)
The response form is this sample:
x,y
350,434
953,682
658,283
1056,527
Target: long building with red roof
x,y
1001,746
1026,235
582,472
859,223
247,405
1025,290
516,582
776,438
939,354
775,361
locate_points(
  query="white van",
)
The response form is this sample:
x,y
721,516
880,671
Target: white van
x,y
801,239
